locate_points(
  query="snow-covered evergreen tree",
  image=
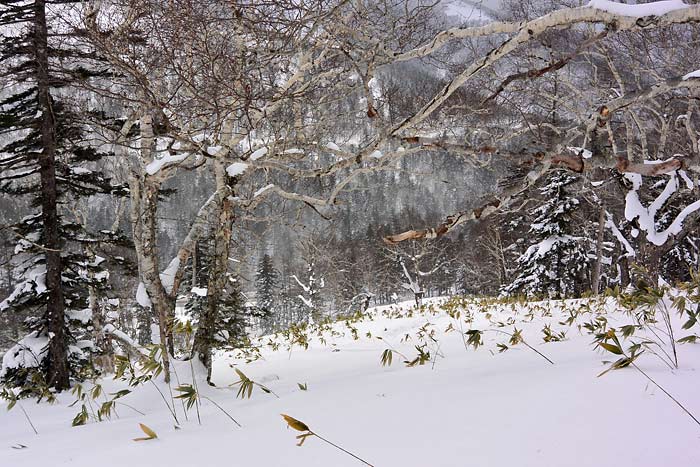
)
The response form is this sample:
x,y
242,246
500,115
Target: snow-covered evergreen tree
x,y
47,156
266,285
233,315
231,318
556,264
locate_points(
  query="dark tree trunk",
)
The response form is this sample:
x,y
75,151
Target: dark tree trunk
x,y
624,272
418,296
58,371
597,266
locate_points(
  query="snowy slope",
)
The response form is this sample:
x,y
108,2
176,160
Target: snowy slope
x,y
466,407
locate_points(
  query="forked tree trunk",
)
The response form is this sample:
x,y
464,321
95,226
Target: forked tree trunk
x,y
58,370
204,339
418,296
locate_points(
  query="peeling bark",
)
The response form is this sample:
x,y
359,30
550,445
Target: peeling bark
x,y
204,339
144,204
575,162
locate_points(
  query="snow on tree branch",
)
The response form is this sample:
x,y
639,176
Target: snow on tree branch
x,y
647,216
579,162
638,17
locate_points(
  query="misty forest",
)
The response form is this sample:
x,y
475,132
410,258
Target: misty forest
x,y
350,232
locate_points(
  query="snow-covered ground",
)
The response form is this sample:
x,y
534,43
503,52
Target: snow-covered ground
x,y
462,407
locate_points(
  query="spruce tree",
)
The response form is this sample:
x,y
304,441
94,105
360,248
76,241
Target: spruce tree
x,y
266,285
46,155
556,263
227,326
233,320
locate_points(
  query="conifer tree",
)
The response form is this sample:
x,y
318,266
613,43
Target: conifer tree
x,y
227,325
231,329
46,155
556,263
266,285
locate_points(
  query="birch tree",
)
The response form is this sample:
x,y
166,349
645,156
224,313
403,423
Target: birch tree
x,y
250,93
588,135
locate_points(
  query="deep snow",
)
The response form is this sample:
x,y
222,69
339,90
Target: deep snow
x,y
471,408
